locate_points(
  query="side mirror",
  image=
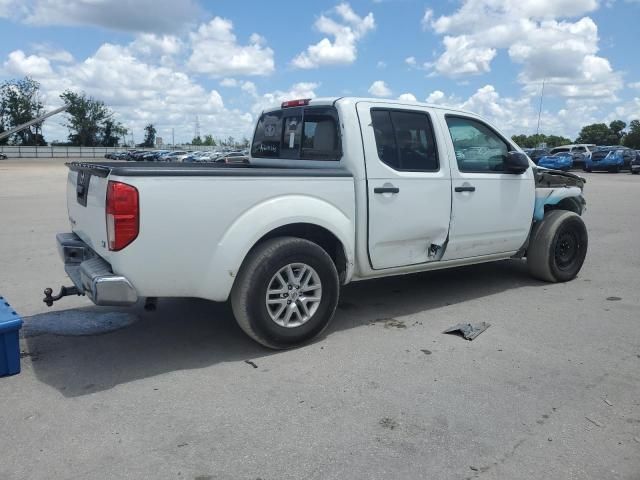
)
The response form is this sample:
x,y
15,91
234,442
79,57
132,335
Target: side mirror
x,y
516,162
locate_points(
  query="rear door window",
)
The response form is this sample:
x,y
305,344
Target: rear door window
x,y
404,140
309,133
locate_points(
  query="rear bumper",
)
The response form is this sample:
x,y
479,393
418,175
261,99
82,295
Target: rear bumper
x,y
92,275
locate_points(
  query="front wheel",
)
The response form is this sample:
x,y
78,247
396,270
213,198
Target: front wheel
x,y
286,292
557,247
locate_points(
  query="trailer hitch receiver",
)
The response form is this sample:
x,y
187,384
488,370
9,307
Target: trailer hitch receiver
x,y
64,292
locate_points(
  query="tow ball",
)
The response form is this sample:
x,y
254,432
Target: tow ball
x,y
64,292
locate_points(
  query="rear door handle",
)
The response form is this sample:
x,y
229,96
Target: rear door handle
x,y
465,188
386,190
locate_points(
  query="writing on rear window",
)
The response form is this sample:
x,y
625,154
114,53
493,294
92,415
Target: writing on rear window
x,y
309,133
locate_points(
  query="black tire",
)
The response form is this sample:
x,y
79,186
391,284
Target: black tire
x,y
250,291
557,247
615,169
635,172
586,169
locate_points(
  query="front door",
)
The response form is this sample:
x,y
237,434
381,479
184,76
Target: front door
x,y
408,186
492,210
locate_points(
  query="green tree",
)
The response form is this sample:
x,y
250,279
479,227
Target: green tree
x,y
87,119
209,141
617,129
149,136
112,133
632,138
20,103
533,141
196,141
245,143
598,133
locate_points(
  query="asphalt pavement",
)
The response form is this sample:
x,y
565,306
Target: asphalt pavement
x,y
551,390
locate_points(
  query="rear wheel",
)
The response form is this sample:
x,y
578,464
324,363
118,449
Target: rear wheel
x,y
557,247
286,292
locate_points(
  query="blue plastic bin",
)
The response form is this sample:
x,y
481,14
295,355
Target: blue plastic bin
x,y
10,323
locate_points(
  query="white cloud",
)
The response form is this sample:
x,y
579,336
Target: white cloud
x,y
346,33
275,98
381,64
137,91
463,57
411,61
229,82
520,115
635,85
379,89
534,35
32,65
153,44
426,19
436,97
52,53
215,52
250,88
138,16
407,97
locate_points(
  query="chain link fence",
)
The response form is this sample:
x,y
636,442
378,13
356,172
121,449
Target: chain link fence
x,y
17,151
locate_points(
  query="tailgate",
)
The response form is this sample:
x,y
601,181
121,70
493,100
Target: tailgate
x,y
86,198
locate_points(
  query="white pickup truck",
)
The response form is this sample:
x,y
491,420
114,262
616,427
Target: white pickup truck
x,y
338,190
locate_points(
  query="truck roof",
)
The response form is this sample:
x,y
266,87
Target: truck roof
x,y
328,101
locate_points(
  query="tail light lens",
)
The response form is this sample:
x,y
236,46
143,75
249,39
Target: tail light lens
x,y
123,215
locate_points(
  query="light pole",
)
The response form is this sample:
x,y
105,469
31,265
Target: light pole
x,y
540,107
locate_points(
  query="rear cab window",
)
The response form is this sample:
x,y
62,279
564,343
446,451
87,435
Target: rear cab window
x,y
299,133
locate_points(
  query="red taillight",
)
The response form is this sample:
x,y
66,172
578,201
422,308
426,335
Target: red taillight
x,y
123,215
296,103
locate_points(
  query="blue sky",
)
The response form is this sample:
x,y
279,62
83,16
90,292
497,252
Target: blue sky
x,y
166,61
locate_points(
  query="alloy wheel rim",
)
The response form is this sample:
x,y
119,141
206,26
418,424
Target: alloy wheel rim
x,y
293,295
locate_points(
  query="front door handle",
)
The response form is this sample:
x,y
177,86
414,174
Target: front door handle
x,y
465,188
386,190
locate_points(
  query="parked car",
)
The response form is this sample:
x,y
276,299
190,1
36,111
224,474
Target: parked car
x,y
136,155
3,156
580,152
233,158
610,158
336,193
635,163
175,156
557,161
536,154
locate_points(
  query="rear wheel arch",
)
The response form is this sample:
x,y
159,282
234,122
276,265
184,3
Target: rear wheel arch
x,y
321,236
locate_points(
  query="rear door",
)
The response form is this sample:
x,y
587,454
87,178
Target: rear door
x,y
408,185
491,210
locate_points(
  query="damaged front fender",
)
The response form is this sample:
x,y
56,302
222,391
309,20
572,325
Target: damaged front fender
x,y
556,189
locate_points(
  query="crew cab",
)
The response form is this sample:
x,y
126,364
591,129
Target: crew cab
x,y
337,190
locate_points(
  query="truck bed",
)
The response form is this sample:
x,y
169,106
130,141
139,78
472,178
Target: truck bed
x,y
198,221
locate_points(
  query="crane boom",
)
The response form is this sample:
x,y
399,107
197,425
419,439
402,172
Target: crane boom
x,y
32,122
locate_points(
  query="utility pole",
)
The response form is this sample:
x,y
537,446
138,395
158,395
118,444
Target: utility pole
x,y
540,107
173,139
